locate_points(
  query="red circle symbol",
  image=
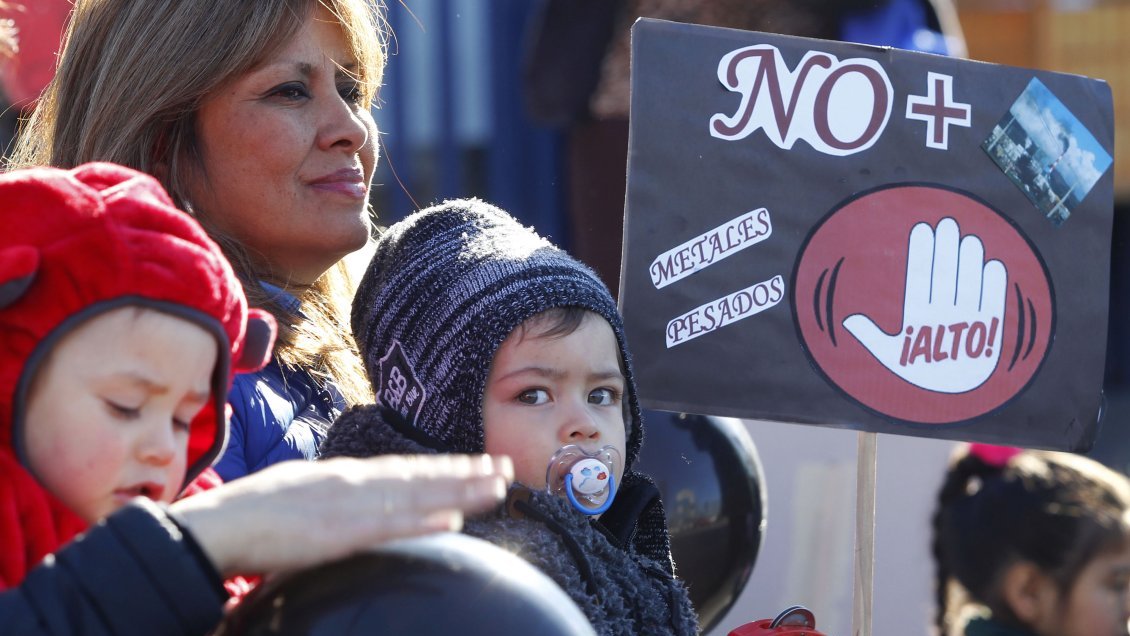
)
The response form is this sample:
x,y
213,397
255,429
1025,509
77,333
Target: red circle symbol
x,y
923,304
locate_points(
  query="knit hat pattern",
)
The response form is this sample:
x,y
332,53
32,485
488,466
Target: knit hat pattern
x,y
76,243
444,289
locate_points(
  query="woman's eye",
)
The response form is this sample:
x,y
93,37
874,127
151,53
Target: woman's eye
x,y
181,425
604,396
534,396
290,92
350,92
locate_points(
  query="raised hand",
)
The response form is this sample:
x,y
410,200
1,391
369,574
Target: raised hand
x,y
300,513
952,317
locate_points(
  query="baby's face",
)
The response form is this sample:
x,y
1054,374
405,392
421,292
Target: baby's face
x,y
109,411
545,392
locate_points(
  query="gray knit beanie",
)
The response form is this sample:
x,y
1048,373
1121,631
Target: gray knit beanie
x,y
445,287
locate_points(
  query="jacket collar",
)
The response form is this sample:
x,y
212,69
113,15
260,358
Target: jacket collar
x,y
284,299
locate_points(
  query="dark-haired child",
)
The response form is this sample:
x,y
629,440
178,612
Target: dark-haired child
x,y
1032,543
479,335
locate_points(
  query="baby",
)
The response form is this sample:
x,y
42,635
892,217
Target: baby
x,y
480,336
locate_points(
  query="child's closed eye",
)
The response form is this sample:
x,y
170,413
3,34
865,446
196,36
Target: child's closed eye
x,y
121,410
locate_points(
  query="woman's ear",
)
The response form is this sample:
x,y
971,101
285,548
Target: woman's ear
x,y
1030,593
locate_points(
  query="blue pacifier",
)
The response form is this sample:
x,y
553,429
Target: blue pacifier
x,y
587,479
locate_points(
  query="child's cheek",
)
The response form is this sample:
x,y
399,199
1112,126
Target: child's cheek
x,y
502,441
530,472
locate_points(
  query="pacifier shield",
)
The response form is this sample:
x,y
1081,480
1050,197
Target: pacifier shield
x,y
590,476
586,479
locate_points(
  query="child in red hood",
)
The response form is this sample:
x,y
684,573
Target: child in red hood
x,y
121,326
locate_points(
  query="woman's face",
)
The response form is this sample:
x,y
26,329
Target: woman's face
x,y
288,153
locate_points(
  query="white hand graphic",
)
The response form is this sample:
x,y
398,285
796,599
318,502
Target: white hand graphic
x,y
952,316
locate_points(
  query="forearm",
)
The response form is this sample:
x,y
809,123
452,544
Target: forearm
x,y
134,573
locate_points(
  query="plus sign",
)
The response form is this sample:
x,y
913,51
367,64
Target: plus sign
x,y
937,109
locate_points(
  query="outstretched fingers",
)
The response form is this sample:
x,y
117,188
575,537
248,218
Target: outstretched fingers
x,y
297,514
428,487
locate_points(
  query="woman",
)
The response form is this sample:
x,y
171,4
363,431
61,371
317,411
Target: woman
x,y
278,172
255,117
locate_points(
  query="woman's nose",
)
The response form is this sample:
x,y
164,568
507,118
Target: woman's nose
x,y
343,126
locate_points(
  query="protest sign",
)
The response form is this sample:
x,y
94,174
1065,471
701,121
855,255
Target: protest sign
x,y
867,238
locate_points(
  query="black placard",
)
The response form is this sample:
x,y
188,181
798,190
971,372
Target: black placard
x,y
869,238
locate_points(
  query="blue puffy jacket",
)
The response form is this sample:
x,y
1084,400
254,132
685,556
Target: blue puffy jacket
x,y
277,414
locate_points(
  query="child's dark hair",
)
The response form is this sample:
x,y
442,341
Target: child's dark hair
x,y
556,322
1054,510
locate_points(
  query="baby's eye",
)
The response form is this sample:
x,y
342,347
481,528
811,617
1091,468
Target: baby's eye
x,y
533,397
604,396
181,425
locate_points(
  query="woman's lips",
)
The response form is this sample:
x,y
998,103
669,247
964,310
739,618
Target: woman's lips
x,y
349,182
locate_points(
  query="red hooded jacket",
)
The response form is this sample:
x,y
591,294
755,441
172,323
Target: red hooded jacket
x,y
74,244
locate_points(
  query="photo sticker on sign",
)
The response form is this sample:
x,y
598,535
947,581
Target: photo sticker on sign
x,y
1047,152
923,304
